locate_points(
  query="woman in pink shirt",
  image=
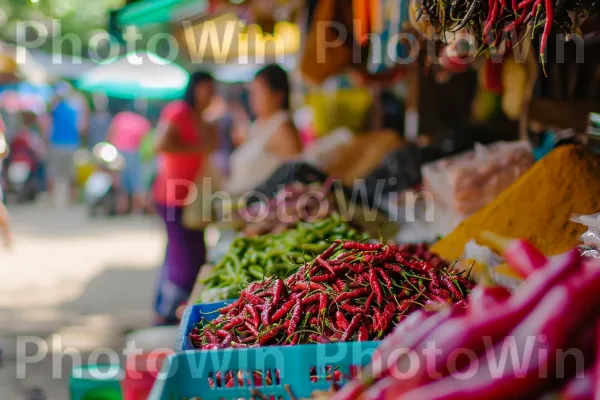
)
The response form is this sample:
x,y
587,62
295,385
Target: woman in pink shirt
x,y
126,132
183,139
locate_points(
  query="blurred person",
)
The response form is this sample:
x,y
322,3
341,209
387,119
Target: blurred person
x,y
183,141
272,137
65,138
4,217
99,121
126,132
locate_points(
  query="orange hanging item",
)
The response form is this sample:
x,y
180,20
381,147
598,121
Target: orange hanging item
x,y
326,53
377,16
362,20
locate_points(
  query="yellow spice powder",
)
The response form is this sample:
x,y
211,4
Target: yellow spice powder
x,y
538,205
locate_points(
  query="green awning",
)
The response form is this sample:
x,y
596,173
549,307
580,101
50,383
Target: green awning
x,y
150,12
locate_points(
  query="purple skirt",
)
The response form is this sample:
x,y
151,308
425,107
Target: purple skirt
x,y
184,256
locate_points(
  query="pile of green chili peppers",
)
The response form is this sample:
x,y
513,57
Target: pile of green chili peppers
x,y
254,258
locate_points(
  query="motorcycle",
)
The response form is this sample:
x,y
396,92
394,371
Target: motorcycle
x,y
102,188
21,167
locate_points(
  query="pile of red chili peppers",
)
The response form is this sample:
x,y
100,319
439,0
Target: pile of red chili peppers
x,y
351,292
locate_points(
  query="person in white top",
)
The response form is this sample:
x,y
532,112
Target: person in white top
x,y
272,138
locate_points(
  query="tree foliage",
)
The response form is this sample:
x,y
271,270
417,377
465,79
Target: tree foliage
x,y
80,17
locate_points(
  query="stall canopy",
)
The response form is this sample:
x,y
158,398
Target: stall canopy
x,y
149,12
135,75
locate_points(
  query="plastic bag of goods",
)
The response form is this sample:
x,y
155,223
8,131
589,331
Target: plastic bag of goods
x,y
591,237
464,183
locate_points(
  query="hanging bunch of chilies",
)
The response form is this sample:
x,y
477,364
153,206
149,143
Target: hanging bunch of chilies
x,y
492,21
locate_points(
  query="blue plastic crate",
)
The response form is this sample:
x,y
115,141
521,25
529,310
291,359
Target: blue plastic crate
x,y
192,316
305,368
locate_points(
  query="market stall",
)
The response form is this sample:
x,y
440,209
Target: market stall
x,y
317,298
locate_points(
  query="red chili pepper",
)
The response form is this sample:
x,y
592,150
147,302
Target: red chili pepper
x,y
264,339
313,321
319,338
367,305
376,318
251,328
248,339
405,304
210,347
351,309
341,284
356,268
298,295
254,314
375,286
444,294
277,290
233,323
252,299
395,268
295,340
385,277
309,286
323,278
363,334
329,252
285,308
352,328
323,299
341,320
353,294
324,264
525,3
237,345
491,18
547,28
517,22
295,320
222,333
386,318
210,337
349,245
311,299
387,255
227,340
450,285
230,307
313,309
265,313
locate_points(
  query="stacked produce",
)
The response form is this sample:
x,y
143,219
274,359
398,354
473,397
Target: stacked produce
x,y
352,291
537,206
293,203
253,258
553,312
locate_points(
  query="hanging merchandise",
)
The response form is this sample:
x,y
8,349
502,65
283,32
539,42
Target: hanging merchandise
x,y
362,20
392,14
377,16
326,53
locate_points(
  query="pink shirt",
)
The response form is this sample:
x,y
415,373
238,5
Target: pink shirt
x,y
128,130
178,171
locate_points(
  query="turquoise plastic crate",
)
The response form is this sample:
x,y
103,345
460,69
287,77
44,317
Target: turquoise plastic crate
x,y
192,316
305,368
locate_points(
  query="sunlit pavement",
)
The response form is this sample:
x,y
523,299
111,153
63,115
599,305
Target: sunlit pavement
x,y
89,281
